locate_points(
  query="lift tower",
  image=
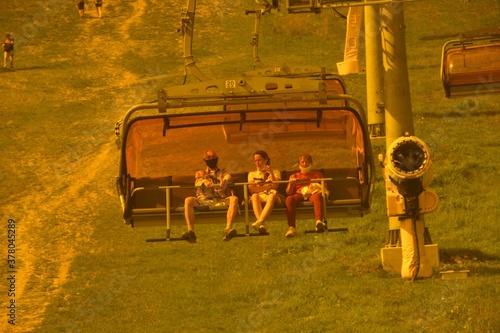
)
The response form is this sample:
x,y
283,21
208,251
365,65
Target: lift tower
x,y
407,166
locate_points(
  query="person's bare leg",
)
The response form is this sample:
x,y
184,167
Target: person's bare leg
x,y
231,211
189,204
257,205
268,208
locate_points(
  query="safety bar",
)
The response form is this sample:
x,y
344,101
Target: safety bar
x,y
167,189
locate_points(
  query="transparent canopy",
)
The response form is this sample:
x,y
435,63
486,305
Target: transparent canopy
x,y
164,145
470,68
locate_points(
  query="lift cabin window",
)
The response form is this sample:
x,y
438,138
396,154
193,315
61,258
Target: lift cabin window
x,y
469,69
164,146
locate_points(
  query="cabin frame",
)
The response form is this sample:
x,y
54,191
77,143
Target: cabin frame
x,y
470,65
303,113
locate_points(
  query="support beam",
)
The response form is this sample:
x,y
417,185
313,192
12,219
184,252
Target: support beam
x,y
374,72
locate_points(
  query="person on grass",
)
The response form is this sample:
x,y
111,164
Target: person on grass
x,y
80,4
98,7
8,52
298,191
263,194
211,190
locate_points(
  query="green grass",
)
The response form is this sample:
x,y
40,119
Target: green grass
x,y
81,270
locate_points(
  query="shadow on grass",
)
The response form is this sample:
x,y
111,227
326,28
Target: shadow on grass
x,y
453,256
486,271
440,37
20,69
464,114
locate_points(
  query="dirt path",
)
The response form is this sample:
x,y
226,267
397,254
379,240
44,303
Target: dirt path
x,y
44,272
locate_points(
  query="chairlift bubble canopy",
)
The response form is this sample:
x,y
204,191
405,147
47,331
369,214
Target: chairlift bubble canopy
x,y
285,117
471,64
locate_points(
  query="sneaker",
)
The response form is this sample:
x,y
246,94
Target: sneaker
x,y
320,226
260,227
189,236
291,232
229,233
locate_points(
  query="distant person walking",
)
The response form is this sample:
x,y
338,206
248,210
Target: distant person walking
x,y
81,7
98,7
8,52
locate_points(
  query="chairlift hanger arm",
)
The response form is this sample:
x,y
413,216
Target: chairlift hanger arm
x,y
255,37
187,29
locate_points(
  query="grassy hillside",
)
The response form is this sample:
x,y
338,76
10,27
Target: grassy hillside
x,y
79,269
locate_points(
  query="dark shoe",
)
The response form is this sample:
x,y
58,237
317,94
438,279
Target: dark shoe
x,y
263,230
229,233
189,236
320,226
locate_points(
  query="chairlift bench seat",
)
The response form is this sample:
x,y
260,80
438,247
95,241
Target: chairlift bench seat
x,y
150,201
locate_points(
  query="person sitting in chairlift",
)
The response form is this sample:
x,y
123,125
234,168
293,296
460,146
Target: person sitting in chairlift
x,y
211,190
301,191
263,193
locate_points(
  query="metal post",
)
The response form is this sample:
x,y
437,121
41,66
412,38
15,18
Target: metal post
x,y
323,194
245,195
167,213
399,121
374,71
398,111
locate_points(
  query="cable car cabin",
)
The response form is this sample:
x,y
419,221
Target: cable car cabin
x,y
471,65
162,146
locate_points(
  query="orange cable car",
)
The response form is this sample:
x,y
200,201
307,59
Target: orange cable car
x,y
471,65
162,144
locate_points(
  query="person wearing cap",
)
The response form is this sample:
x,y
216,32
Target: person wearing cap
x,y
8,52
211,190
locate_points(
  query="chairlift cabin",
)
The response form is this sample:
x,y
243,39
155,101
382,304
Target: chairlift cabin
x,y
162,146
471,65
